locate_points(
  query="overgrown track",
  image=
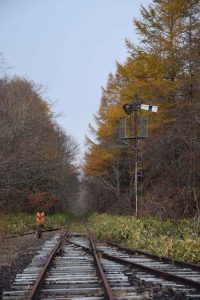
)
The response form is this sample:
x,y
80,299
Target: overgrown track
x,y
156,257
178,276
70,272
75,268
27,284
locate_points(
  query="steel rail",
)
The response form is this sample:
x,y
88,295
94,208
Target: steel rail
x,y
153,256
39,281
167,275
107,289
30,232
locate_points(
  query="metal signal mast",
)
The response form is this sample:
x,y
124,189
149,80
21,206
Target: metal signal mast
x,y
129,110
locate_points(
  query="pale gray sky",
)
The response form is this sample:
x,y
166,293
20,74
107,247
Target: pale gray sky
x,y
70,46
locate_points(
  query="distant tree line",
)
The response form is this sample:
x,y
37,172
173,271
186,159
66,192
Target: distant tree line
x,y
163,69
37,158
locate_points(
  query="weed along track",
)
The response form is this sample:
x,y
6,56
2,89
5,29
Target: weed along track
x,y
74,267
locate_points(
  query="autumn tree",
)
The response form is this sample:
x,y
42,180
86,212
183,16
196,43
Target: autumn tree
x,y
172,29
163,69
36,156
107,163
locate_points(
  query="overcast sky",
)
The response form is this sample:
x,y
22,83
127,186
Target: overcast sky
x,y
70,46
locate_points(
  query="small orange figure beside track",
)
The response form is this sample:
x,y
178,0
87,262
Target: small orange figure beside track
x,y
40,217
40,222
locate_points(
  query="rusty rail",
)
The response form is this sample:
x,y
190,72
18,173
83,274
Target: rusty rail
x,y
162,274
166,275
38,283
153,256
30,232
107,289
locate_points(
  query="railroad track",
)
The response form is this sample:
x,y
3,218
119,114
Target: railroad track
x,y
147,267
62,270
30,232
75,268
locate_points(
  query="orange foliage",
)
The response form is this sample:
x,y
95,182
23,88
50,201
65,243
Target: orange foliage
x,y
42,200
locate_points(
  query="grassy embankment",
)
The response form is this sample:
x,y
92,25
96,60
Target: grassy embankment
x,y
22,222
178,239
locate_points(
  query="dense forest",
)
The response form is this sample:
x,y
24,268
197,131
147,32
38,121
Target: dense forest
x,y
163,69
37,157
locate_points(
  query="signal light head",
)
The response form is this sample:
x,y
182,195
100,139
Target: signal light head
x,y
128,108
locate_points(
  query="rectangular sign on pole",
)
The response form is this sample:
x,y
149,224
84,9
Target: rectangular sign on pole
x,y
153,108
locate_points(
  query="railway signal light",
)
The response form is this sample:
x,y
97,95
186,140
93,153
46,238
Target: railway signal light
x,y
129,110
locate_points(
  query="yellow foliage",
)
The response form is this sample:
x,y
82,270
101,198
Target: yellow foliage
x,y
97,160
154,71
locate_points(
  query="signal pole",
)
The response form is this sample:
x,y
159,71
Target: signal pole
x,y
136,158
136,105
129,110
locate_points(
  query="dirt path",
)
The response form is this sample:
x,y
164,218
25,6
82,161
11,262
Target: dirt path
x,y
16,254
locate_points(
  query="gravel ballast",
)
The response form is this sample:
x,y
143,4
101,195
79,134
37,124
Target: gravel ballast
x,y
16,254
